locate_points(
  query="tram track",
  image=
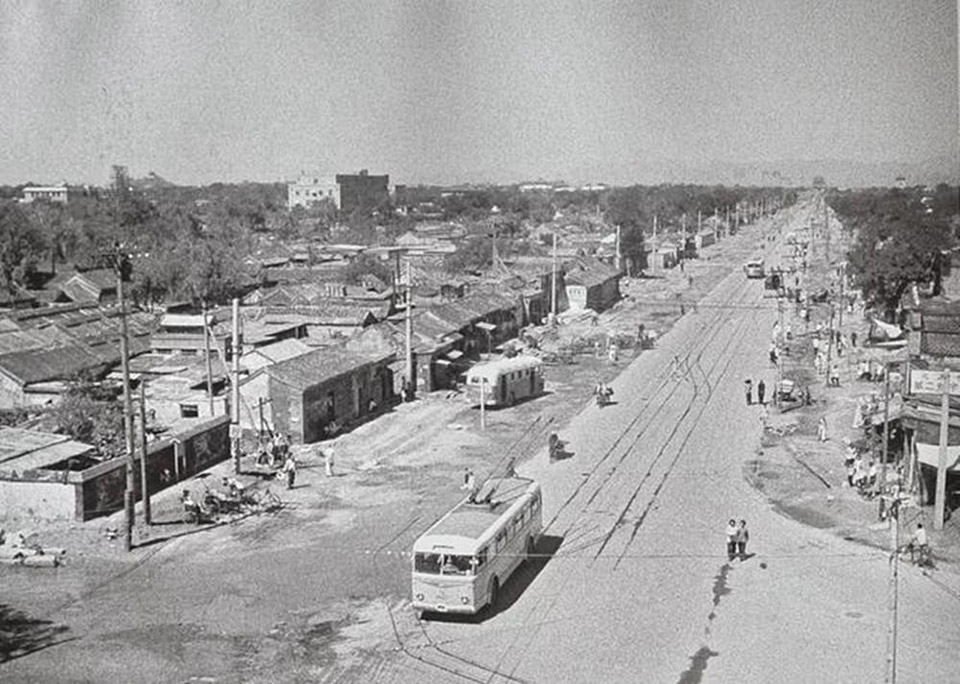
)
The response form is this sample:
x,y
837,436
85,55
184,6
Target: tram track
x,y
697,346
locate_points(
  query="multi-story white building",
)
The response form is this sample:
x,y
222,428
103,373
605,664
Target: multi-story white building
x,y
308,190
49,193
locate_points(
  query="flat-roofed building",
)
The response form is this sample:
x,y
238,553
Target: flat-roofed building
x,y
308,190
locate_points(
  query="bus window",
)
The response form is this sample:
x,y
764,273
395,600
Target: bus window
x,y
456,565
482,557
428,563
501,541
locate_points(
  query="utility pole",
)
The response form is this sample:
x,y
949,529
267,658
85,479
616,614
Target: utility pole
x,y
128,493
120,188
886,431
893,592
553,286
235,387
206,346
843,277
776,389
829,343
939,504
619,255
483,404
408,331
144,487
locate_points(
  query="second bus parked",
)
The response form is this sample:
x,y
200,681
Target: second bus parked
x,y
505,381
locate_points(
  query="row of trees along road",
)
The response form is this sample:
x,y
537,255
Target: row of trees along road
x,y
901,238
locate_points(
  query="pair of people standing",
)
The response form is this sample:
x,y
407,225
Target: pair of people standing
x,y
737,538
761,391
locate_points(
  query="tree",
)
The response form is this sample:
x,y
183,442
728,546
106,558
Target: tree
x,y
365,265
474,255
21,246
897,245
89,412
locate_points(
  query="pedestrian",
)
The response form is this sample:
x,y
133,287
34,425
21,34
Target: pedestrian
x,y
290,469
822,429
918,543
743,536
835,374
327,453
761,392
731,539
748,384
469,483
853,339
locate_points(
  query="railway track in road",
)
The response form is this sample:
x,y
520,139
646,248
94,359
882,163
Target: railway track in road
x,y
667,389
720,326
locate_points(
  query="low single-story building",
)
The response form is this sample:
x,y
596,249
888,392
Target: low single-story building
x,y
50,476
313,395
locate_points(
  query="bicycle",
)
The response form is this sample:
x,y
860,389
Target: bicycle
x,y
267,500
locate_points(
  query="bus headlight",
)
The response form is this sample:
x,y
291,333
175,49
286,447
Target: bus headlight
x,y
419,597
464,600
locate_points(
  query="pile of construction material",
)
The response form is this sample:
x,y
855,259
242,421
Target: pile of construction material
x,y
22,548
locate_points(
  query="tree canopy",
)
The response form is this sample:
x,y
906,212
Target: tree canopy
x,y
898,243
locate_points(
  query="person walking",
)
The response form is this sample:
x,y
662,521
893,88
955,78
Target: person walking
x,y
290,469
731,539
327,453
853,338
761,391
742,537
822,429
748,385
835,374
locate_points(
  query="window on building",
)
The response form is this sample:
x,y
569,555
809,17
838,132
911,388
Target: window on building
x,y
189,411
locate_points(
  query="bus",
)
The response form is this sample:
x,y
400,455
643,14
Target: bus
x,y
504,381
754,269
462,561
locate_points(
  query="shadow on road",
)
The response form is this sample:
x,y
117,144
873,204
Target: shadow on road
x,y
21,635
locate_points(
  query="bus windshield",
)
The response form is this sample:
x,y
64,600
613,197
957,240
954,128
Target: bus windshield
x,y
443,564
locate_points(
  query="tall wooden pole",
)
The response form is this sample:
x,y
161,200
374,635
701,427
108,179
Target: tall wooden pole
x,y
235,387
940,503
886,429
128,493
206,346
408,326
144,485
553,286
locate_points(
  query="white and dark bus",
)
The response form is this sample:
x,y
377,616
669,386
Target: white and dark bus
x,y
505,381
462,561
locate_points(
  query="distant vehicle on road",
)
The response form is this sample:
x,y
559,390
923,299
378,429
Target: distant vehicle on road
x,y
754,269
462,561
505,381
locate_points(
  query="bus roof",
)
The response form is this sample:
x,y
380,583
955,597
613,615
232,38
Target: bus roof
x,y
492,369
463,526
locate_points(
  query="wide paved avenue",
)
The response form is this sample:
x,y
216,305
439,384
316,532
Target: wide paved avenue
x,y
640,589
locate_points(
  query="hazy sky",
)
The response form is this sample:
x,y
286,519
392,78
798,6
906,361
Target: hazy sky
x,y
468,91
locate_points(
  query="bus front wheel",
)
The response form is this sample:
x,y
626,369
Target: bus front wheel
x,y
494,593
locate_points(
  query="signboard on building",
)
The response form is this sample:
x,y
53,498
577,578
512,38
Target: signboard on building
x,y
931,382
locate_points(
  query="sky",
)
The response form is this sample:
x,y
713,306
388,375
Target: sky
x,y
461,91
